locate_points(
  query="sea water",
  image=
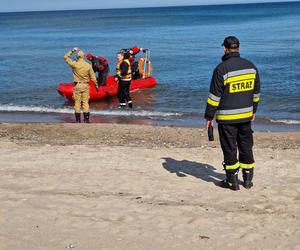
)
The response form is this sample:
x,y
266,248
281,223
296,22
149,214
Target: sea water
x,y
185,45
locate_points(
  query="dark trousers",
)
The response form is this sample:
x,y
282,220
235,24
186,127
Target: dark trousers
x,y
102,77
123,91
135,71
235,137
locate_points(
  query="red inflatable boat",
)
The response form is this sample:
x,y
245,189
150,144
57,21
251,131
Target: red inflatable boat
x,y
66,89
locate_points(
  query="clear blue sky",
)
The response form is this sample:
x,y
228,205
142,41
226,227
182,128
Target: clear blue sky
x,y
32,5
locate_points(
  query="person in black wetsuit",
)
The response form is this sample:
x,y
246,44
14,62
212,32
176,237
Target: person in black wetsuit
x,y
101,66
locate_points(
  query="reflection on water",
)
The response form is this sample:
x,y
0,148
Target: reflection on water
x,y
123,120
142,100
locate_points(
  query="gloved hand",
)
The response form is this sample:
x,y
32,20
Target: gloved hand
x,y
74,49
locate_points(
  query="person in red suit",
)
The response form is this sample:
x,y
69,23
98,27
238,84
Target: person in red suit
x,y
134,65
101,66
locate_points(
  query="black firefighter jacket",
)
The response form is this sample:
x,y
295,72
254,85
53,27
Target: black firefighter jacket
x,y
234,90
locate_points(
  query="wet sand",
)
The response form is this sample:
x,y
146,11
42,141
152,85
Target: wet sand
x,y
108,186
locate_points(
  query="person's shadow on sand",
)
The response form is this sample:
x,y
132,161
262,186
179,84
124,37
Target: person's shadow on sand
x,y
199,170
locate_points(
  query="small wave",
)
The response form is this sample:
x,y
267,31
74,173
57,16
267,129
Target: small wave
x,y
290,122
40,109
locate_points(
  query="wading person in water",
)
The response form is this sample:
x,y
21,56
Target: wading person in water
x,y
82,74
123,77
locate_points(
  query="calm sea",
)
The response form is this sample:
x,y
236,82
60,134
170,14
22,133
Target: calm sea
x,y
185,44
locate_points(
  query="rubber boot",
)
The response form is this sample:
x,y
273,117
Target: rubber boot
x,y
231,180
122,105
247,177
77,116
86,117
130,104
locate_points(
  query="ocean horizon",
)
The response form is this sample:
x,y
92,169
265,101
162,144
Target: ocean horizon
x,y
146,7
185,44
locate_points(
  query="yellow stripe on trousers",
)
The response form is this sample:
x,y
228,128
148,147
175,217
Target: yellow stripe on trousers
x,y
234,166
247,166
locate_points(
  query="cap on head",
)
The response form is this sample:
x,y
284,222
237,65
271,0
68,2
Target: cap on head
x,y
231,42
80,54
89,56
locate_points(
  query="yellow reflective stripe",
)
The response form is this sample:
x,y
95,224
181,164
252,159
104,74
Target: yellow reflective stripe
x,y
240,78
234,117
212,102
234,166
255,99
247,166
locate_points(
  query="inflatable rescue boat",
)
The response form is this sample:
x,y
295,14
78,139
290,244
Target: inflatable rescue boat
x,y
110,89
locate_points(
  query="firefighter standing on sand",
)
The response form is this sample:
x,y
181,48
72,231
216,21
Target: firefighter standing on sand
x,y
233,98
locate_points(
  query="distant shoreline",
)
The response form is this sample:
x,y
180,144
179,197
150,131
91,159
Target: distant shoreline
x,y
149,7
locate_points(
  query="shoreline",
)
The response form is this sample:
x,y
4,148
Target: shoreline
x,y
260,124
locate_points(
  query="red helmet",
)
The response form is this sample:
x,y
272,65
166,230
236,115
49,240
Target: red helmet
x,y
135,49
89,56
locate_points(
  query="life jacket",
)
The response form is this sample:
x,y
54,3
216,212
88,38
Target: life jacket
x,y
128,76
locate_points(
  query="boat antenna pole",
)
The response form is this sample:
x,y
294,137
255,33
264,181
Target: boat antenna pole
x,y
147,58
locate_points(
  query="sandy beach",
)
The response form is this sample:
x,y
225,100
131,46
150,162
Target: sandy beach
x,y
107,186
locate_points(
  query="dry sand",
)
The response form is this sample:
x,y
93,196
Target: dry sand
x,y
105,186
